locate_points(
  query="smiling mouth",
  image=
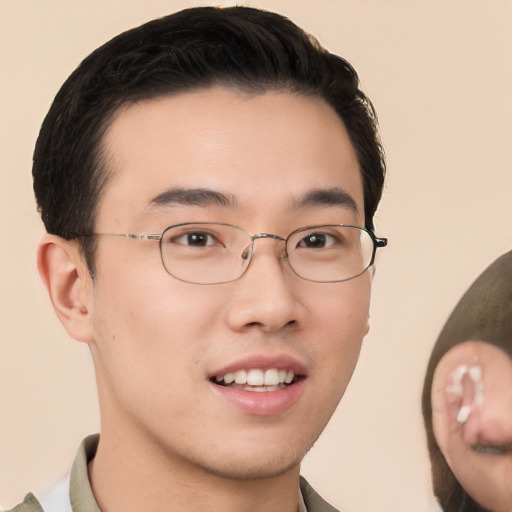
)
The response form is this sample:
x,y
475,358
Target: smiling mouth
x,y
257,380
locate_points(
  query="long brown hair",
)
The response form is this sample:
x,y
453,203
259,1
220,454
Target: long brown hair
x,y
483,314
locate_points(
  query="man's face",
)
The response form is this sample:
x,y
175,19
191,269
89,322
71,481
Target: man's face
x,y
160,343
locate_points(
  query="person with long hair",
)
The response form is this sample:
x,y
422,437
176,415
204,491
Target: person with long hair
x,y
467,398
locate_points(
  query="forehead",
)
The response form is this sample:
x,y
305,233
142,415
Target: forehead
x,y
263,150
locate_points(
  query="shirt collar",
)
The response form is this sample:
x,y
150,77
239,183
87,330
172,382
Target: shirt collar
x,y
302,505
80,492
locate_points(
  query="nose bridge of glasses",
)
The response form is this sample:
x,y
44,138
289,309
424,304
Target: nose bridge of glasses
x,y
271,237
267,235
249,251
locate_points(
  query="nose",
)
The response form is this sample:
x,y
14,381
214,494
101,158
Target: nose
x,y
265,297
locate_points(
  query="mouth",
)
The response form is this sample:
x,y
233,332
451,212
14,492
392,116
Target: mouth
x,y
257,379
260,385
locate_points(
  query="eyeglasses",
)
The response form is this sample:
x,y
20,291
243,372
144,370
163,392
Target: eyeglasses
x,y
215,253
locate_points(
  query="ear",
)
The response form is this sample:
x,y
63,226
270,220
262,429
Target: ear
x,y
367,326
472,420
371,273
65,275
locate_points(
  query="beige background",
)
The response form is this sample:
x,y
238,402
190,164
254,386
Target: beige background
x,y
440,74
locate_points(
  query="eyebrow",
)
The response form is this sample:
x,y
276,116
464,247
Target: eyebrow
x,y
193,197
327,197
206,197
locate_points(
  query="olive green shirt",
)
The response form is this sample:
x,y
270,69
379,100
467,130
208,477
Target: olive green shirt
x,y
82,499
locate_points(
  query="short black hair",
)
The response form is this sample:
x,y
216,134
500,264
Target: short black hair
x,y
237,47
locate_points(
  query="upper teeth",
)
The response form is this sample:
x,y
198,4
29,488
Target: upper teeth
x,y
257,377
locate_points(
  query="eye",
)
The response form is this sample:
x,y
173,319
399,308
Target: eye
x,y
317,240
196,239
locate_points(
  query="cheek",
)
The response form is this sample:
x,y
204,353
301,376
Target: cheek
x,y
150,347
343,308
151,328
341,322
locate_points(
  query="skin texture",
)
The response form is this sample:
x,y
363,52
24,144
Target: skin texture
x,y
485,474
155,341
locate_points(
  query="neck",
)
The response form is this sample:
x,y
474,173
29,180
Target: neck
x,y
134,474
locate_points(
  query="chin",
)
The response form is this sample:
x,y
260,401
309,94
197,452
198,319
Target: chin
x,y
245,469
255,460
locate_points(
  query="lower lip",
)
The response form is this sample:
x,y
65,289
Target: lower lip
x,y
265,403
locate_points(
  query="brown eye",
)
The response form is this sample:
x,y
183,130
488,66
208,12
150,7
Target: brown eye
x,y
195,239
316,241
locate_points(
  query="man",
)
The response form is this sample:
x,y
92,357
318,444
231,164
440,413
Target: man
x,y
208,183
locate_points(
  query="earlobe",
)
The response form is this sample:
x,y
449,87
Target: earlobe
x,y
367,327
372,275
69,285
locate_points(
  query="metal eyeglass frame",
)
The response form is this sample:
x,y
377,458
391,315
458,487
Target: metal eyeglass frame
x,y
378,242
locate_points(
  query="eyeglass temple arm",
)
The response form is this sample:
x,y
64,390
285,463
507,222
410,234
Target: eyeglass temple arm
x,y
381,242
142,236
